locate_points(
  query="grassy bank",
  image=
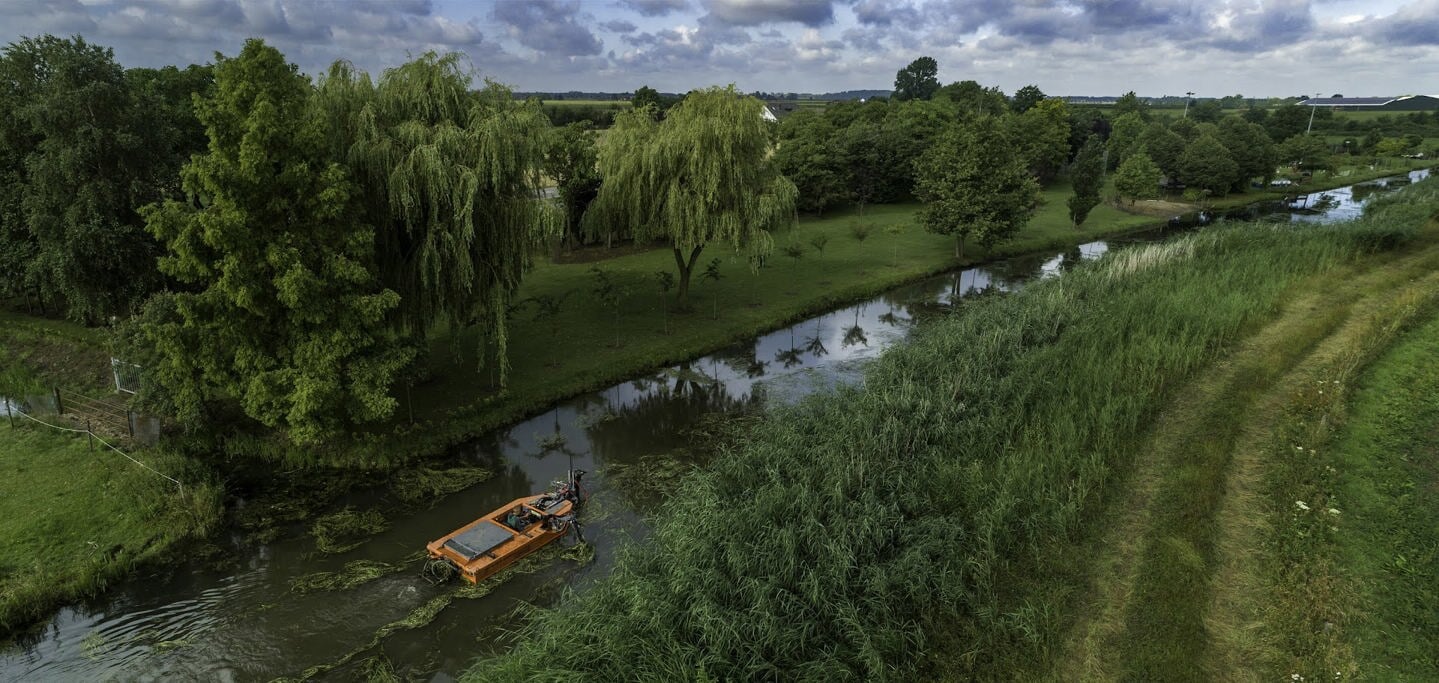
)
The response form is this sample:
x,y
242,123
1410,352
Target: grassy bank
x,y
1356,567
841,258
76,520
921,525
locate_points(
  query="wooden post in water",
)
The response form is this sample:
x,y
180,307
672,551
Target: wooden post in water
x,y
90,434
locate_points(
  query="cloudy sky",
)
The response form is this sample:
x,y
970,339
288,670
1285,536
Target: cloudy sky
x,y
1073,47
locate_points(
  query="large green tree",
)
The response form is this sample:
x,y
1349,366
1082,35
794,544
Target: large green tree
x,y
1086,174
448,177
807,155
283,311
1208,165
701,176
1163,146
969,98
1306,153
918,81
1287,121
571,160
84,144
1137,178
1124,137
974,186
1253,152
1129,103
1042,133
1025,98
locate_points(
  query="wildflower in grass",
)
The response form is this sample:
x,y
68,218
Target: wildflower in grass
x,y
1301,505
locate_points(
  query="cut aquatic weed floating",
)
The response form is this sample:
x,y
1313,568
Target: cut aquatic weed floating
x,y
419,484
345,530
582,554
354,573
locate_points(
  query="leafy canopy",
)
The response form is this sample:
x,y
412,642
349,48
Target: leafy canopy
x,y
1086,174
1137,178
918,81
283,311
447,176
700,176
974,186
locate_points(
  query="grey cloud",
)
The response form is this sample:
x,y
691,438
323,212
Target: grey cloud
x,y
1414,25
549,26
756,12
619,26
655,8
867,40
1258,28
1171,18
886,13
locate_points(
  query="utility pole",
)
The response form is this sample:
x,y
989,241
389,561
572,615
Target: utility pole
x,y
1312,107
1187,97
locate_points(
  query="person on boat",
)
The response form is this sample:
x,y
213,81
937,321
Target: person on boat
x,y
514,521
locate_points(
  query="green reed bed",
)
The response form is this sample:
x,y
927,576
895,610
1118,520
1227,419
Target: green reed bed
x,y
914,525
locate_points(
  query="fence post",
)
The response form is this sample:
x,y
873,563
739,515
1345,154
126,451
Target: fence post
x,y
59,407
90,435
10,412
130,423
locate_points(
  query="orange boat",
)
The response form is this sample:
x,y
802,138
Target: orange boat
x,y
522,526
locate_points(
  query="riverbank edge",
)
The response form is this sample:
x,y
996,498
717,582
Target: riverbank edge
x,y
430,438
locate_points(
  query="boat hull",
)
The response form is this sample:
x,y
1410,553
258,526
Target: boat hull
x,y
487,545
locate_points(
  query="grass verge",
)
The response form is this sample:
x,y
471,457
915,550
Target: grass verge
x,y
1354,553
75,521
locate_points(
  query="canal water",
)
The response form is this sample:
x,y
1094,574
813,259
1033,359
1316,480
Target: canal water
x,y
242,622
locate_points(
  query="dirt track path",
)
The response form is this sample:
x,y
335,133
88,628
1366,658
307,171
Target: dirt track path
x,y
1174,594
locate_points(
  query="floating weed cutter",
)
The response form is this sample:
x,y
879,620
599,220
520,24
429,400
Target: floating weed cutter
x,y
495,541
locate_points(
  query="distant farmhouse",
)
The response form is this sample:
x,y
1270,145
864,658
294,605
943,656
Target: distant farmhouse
x,y
1402,103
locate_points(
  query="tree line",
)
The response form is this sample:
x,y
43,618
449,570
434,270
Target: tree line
x,y
286,249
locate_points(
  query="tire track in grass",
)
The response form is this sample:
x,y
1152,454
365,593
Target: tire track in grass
x,y
1259,618
1189,499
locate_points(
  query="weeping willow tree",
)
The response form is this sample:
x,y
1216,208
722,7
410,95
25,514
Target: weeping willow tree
x,y
701,175
449,178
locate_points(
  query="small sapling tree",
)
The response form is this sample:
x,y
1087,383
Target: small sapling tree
x,y
712,273
818,242
666,282
608,294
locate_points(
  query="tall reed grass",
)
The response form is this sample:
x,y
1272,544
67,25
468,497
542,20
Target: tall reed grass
x,y
907,526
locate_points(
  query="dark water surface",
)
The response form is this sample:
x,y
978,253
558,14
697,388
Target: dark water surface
x,y
242,623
